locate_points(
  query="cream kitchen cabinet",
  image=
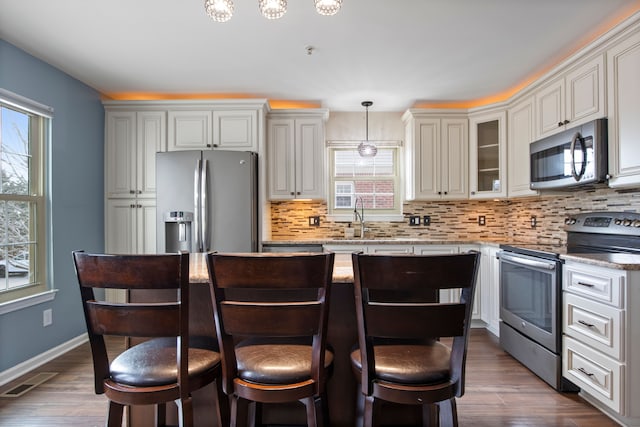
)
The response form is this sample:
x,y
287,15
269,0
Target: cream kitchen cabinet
x,y
600,349
488,155
489,279
520,125
296,155
132,140
623,69
571,99
234,129
130,226
437,156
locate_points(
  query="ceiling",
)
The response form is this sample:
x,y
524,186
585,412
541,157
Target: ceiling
x,y
399,54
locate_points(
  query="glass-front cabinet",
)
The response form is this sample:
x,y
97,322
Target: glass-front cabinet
x,y
487,155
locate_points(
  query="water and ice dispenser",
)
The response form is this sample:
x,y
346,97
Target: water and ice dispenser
x,y
177,228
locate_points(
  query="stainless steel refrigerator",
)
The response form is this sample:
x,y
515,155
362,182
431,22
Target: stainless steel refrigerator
x,y
207,201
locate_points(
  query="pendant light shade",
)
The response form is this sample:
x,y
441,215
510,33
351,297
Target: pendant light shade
x,y
367,148
328,7
219,10
273,9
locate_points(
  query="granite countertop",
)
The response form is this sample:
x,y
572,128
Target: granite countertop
x,y
617,261
343,270
198,273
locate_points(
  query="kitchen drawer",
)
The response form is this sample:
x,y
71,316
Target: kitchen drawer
x,y
598,325
389,249
602,284
596,374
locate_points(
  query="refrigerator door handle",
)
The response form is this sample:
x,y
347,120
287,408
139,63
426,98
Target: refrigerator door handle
x,y
204,190
196,205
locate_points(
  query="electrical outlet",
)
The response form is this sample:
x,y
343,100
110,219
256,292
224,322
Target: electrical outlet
x,y
482,220
534,222
426,220
414,220
47,317
314,221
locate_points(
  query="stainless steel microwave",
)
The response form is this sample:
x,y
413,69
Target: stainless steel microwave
x,y
573,157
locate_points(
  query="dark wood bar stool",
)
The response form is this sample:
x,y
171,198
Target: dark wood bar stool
x,y
400,357
163,368
271,314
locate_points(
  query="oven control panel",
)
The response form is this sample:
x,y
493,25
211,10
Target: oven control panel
x,y
627,223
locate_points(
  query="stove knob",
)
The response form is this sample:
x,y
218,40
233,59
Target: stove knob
x,y
636,223
626,222
569,221
617,221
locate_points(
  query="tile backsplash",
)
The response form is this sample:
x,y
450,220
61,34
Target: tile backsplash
x,y
505,220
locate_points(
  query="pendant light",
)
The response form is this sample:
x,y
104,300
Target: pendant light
x,y
366,148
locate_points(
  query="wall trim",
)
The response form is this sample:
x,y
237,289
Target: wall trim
x,y
42,358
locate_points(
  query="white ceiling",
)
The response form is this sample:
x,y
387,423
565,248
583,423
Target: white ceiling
x,y
397,53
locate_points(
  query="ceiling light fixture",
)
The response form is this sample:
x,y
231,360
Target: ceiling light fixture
x,y
219,10
222,10
273,9
367,148
328,7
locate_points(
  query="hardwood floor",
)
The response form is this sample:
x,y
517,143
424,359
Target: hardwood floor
x,y
499,392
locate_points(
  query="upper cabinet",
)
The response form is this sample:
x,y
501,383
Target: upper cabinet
x,y
296,155
487,155
225,129
437,156
623,63
521,119
574,98
132,140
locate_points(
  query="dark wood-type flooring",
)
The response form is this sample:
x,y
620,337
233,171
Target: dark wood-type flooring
x,y
499,392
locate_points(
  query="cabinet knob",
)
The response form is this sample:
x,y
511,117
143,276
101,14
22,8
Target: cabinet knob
x,y
473,193
293,194
139,191
298,193
559,124
132,192
209,145
132,206
566,122
215,145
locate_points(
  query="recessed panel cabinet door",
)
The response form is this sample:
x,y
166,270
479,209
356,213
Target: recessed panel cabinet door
x,y
623,62
281,156
121,153
310,164
520,122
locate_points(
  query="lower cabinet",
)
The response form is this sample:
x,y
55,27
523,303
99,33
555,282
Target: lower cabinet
x,y
600,345
130,226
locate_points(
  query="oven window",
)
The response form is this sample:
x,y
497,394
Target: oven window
x,y
528,295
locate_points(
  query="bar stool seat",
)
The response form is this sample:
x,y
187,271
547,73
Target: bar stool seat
x,y
269,362
421,364
153,363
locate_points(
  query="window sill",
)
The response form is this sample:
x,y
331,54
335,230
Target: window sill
x,y
29,301
367,218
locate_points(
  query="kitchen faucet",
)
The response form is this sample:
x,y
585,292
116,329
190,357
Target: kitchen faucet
x,y
359,216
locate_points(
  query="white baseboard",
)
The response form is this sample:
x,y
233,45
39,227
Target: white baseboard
x,y
39,360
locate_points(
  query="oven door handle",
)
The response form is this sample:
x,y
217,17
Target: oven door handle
x,y
528,262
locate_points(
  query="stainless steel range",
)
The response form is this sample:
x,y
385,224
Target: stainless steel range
x,y
531,288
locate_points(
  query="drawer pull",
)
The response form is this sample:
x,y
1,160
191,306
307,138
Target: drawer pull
x,y
588,285
589,374
588,325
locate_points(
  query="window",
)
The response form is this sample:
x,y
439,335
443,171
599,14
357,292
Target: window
x,y
372,181
23,132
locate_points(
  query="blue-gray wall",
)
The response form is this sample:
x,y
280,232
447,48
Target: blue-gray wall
x,y
76,199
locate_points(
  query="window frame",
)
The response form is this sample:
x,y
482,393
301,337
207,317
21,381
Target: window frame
x,y
36,290
341,215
